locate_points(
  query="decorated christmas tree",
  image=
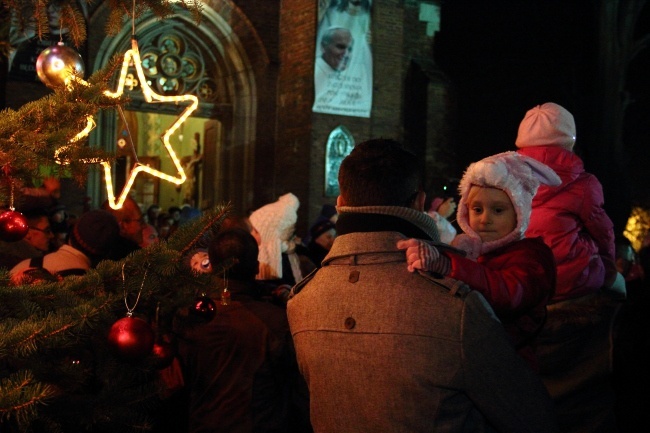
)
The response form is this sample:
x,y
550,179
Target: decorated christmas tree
x,y
85,353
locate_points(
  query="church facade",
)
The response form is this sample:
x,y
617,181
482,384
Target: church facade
x,y
259,130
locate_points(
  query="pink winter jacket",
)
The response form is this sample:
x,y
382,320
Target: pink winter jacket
x,y
571,220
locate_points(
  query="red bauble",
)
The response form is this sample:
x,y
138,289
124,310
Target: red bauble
x,y
204,307
163,352
131,338
13,226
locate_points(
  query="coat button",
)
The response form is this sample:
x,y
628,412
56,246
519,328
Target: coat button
x,y
350,323
353,277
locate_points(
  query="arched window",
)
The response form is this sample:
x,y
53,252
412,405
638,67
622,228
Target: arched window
x,y
339,145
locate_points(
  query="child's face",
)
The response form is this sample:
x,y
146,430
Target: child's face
x,y
491,213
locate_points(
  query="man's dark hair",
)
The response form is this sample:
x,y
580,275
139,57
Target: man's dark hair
x,y
237,245
380,172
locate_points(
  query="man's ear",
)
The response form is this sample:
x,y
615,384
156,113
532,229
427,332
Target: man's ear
x,y
418,203
340,201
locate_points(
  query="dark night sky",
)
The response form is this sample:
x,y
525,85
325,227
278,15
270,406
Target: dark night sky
x,y
504,57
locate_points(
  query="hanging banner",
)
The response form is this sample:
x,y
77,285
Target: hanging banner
x,y
343,69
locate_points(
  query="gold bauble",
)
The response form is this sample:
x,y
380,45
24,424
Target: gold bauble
x,y
57,63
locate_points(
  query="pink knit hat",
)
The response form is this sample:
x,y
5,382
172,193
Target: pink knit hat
x,y
547,125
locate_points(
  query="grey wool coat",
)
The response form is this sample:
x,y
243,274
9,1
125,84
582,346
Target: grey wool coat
x,y
386,350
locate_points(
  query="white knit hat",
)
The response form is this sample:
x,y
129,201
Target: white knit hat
x,y
547,125
517,175
275,222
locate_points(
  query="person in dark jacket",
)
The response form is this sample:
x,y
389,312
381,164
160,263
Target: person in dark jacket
x,y
240,367
321,235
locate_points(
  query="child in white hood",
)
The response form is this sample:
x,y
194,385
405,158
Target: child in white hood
x,y
515,274
275,224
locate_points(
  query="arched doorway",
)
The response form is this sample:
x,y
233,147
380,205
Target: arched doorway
x,y
212,61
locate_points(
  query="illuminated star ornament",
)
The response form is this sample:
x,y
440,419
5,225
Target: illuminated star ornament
x,y
150,96
133,56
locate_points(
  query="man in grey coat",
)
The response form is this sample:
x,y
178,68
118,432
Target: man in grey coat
x,y
386,350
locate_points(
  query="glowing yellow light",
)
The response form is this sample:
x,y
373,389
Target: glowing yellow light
x,y
133,55
638,227
90,125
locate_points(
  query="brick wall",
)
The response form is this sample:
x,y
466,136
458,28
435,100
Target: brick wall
x,y
398,38
289,139
294,100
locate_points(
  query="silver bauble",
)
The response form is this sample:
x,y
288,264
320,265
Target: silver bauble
x,y
57,63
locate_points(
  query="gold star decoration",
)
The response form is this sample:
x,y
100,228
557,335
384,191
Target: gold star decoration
x,y
133,56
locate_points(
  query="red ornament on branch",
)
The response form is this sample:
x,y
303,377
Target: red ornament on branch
x,y
163,353
204,308
13,226
163,349
132,338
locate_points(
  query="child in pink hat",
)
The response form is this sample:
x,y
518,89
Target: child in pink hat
x,y
574,349
569,218
515,274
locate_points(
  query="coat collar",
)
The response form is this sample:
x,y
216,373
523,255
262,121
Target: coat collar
x,y
407,221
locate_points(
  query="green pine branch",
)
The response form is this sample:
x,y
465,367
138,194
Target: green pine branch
x,y
21,394
57,372
56,366
34,16
31,136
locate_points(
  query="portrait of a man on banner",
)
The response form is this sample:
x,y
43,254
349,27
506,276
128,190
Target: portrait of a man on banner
x,y
343,69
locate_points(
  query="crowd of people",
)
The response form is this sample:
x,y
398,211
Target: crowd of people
x,y
510,306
